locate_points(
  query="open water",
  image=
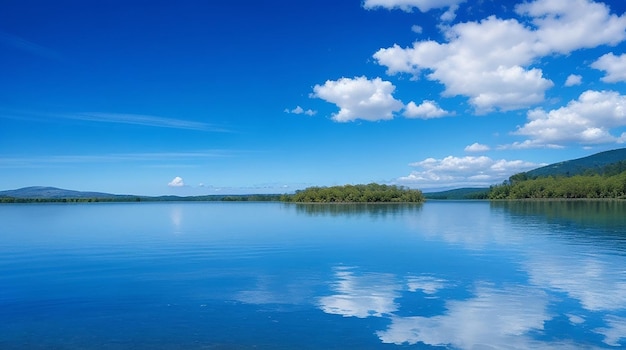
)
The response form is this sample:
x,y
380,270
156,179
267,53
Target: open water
x,y
452,275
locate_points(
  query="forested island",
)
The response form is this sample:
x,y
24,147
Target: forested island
x,y
356,194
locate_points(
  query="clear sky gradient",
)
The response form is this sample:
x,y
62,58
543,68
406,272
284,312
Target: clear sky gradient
x,y
206,97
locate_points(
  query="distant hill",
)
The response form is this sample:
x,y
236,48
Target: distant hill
x,y
459,193
53,194
601,175
592,164
40,192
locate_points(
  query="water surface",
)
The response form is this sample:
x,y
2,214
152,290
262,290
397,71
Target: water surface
x,y
457,275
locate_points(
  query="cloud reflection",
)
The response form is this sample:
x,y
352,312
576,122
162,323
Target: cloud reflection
x,y
615,331
427,284
362,296
498,317
592,281
176,216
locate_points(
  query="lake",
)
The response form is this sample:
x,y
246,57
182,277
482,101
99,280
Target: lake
x,y
445,274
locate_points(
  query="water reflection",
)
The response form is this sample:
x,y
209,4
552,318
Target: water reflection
x,y
176,215
615,330
566,283
427,284
371,294
607,216
492,318
461,275
357,209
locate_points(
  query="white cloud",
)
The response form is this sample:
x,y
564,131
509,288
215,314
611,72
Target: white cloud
x,y
490,61
587,120
573,79
176,182
463,171
409,5
359,98
300,110
482,61
529,144
567,25
477,147
426,110
450,14
614,66
416,29
144,120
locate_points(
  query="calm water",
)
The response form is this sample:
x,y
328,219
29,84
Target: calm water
x,y
458,275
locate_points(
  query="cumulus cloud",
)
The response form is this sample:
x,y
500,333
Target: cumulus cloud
x,y
416,29
587,120
426,110
359,98
573,79
450,14
565,26
463,171
300,110
409,5
176,182
489,61
477,147
614,66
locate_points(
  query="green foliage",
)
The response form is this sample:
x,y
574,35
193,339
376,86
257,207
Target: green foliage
x,y
356,194
578,186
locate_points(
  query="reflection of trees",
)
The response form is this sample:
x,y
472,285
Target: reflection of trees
x,y
356,209
599,214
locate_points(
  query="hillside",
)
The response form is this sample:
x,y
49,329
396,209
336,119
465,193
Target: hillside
x,y
53,194
602,175
40,192
590,164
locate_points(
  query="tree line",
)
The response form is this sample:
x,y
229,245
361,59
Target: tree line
x,y
369,193
209,198
68,200
611,184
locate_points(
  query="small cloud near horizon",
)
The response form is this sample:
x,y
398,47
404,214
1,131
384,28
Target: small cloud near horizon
x,y
176,182
465,171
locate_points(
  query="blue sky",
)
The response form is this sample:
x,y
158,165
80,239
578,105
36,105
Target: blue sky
x,y
205,97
